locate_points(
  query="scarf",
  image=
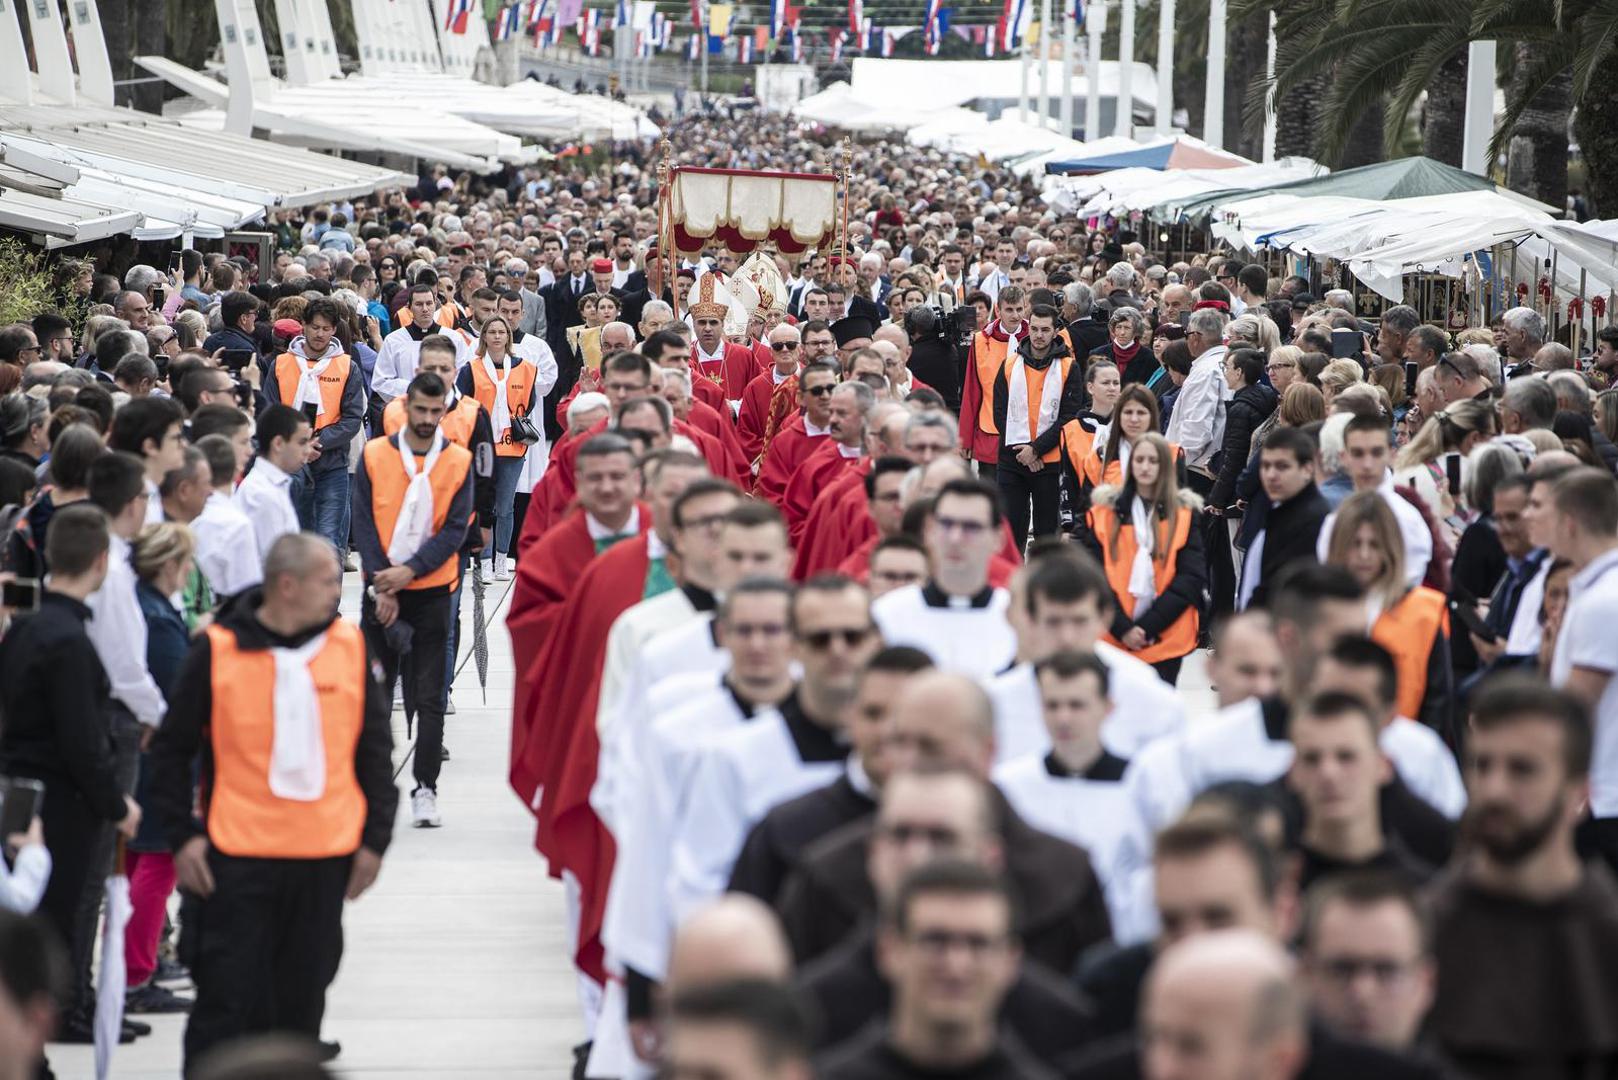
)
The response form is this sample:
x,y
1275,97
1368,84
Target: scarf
x,y
1021,425
1124,356
500,415
415,519
308,391
298,752
1142,574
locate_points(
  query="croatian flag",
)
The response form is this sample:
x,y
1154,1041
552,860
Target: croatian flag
x,y
778,14
459,12
691,47
1014,23
856,16
887,42
835,36
744,50
797,46
864,41
590,32
1078,14
510,20
696,12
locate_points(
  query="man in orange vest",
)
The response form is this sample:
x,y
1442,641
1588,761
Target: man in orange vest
x,y
980,439
282,701
1036,391
412,509
318,378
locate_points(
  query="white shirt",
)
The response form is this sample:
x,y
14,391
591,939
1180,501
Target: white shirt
x,y
969,635
532,348
265,497
227,550
1412,527
1144,708
154,504
1586,641
117,629
396,361
1526,634
1198,423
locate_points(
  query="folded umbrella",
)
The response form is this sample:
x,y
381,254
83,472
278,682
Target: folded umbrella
x,y
114,979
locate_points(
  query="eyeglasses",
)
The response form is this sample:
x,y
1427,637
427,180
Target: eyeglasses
x,y
1445,361
969,529
783,346
711,521
1282,366
820,391
852,638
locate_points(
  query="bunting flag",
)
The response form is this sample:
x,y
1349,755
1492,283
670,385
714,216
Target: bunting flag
x,y
930,28
835,36
1078,14
744,50
719,16
696,13
620,16
1014,21
797,46
460,12
691,47
856,16
509,22
887,42
589,30
778,16
863,42
539,16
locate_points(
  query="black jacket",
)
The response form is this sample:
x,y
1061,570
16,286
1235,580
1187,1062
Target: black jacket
x,y
1244,412
1068,408
53,694
185,735
1331,1057
1087,334
849,993
775,846
938,364
1184,590
1062,910
871,1057
1291,530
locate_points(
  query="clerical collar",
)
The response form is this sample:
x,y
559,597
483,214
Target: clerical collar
x,y
655,548
851,451
700,598
417,331
703,354
937,598
813,742
810,429
1106,767
1274,712
747,708
599,531
859,779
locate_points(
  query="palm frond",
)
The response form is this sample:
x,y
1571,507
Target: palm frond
x,y
1545,68
1597,37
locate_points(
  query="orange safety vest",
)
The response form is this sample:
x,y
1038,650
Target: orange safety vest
x,y
989,354
388,486
289,366
1078,442
245,818
519,394
1408,630
1119,557
457,425
1093,474
1035,380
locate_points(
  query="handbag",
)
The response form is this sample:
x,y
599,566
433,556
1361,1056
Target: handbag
x,y
525,431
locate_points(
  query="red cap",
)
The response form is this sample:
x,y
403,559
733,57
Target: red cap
x,y
287,328
601,266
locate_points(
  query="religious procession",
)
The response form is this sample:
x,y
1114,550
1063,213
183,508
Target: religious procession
x,y
830,549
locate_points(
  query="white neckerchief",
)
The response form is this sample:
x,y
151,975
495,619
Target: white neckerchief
x,y
1020,426
308,391
1142,574
500,415
298,752
415,519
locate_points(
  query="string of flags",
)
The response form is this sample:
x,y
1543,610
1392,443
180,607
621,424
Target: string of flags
x,y
652,32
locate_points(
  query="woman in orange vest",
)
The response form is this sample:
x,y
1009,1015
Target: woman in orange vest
x,y
1079,435
504,385
1411,623
1145,534
1136,414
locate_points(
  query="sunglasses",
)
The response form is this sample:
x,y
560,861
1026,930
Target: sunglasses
x,y
783,346
819,391
820,640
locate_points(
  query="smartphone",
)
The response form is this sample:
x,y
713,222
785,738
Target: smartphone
x,y
1411,371
1467,616
1347,343
244,396
20,595
312,412
235,359
19,803
160,294
174,262
1452,466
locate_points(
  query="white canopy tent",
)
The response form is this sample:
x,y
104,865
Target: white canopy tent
x,y
1126,190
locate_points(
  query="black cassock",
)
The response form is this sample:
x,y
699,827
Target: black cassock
x,y
776,844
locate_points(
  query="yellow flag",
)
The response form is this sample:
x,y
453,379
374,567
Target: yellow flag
x,y
719,19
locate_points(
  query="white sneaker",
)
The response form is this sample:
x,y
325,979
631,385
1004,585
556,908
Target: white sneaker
x,y
502,570
424,809
449,705
485,571
398,697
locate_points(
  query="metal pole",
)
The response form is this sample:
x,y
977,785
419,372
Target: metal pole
x,y
1095,24
1022,95
1213,116
1123,121
1045,63
702,50
1165,67
1067,70
1479,123
1269,99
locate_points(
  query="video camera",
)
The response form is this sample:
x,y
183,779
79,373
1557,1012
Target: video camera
x,y
955,326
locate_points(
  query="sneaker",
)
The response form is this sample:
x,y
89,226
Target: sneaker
x,y
502,570
424,809
449,705
351,563
171,971
443,752
152,998
485,570
329,1049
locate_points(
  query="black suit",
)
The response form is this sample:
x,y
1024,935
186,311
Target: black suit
x,y
1290,532
1331,1057
862,306
775,845
562,308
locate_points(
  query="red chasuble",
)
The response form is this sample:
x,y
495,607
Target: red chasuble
x,y
709,393
838,523
755,413
732,373
789,449
720,425
819,470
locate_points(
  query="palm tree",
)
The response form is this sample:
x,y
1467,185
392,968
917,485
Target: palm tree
x,y
1397,50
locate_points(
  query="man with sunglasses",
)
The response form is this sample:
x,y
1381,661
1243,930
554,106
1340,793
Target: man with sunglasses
x,y
799,436
1460,376
957,617
786,350
738,777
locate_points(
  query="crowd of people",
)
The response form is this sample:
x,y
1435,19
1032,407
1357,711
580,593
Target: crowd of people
x,y
994,648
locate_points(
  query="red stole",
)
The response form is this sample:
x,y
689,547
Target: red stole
x,y
819,470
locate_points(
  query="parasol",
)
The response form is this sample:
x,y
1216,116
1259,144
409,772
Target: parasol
x,y
109,1019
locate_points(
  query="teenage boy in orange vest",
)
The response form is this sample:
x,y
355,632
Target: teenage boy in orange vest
x,y
318,378
281,701
413,500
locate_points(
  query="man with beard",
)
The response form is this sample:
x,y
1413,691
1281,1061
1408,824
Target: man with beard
x,y
1519,928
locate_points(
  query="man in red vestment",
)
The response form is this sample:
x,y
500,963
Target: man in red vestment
x,y
616,337
561,688
671,348
990,347
786,348
732,366
547,572
798,436
843,450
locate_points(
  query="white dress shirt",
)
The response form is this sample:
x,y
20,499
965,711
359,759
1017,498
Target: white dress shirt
x,y
227,549
1198,423
154,504
265,496
396,361
1412,528
1585,642
117,629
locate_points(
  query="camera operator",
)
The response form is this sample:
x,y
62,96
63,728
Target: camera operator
x,y
936,354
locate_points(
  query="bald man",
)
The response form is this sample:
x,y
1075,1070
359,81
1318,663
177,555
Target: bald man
x,y
945,720
1223,1006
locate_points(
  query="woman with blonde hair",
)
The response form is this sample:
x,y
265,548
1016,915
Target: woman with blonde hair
x,y
1136,414
1411,623
1423,464
503,383
1338,376
1254,330
1146,535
